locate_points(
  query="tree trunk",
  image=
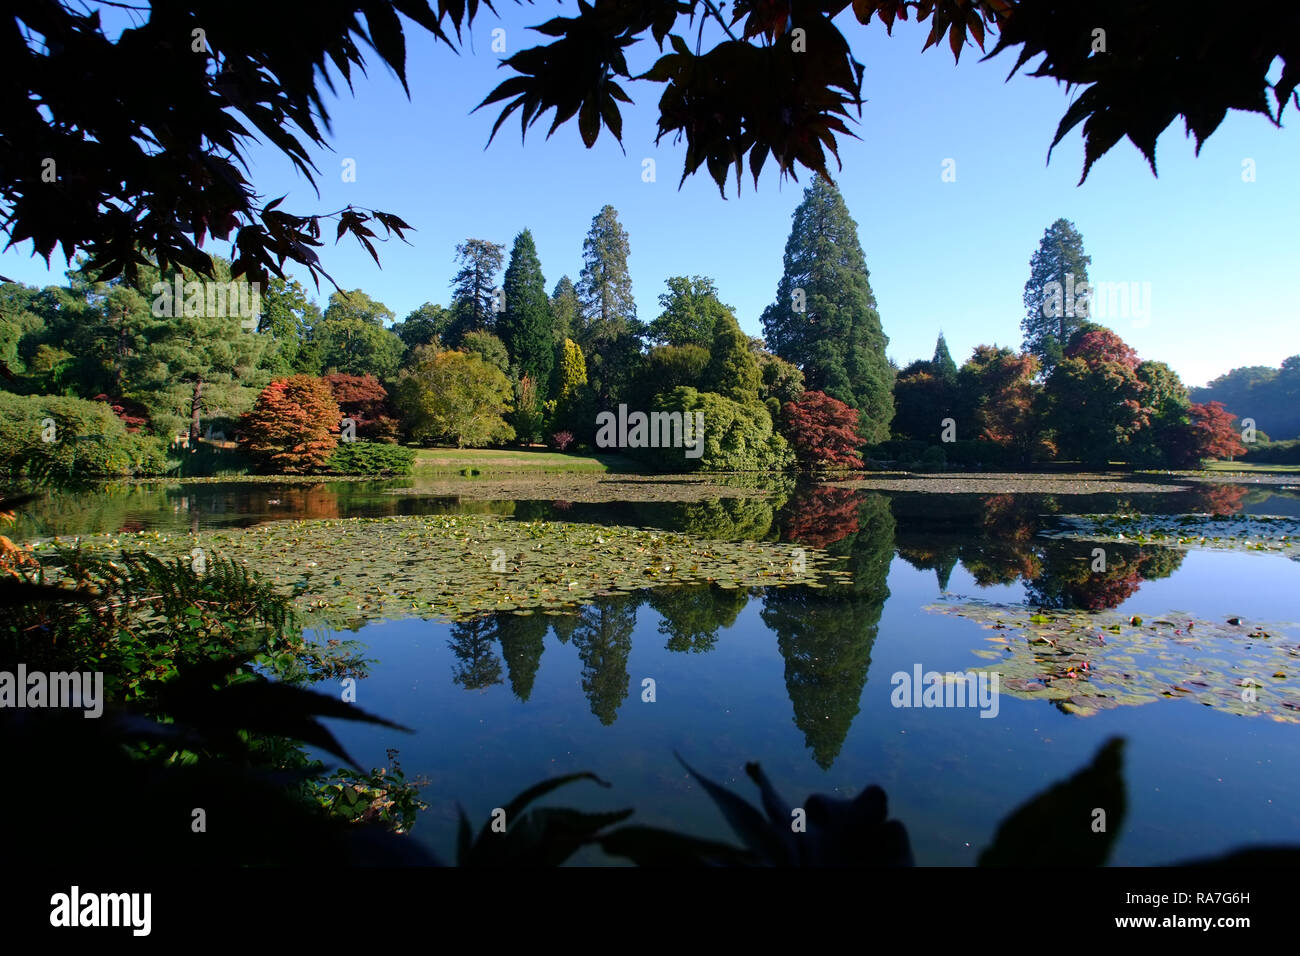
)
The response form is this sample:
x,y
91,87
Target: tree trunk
x,y
196,407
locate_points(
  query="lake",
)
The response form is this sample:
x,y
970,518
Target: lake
x,y
801,679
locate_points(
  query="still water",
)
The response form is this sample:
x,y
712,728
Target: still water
x,y
793,678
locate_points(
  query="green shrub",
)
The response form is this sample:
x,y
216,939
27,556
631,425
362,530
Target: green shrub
x,y
1274,452
736,437
56,435
371,458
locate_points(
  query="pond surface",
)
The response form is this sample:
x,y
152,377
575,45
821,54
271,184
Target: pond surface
x,y
801,680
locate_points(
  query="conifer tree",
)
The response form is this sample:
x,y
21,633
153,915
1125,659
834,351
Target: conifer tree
x,y
566,310
525,325
609,332
824,318
472,299
1056,295
942,366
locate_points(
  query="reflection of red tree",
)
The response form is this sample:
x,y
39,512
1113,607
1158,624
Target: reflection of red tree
x,y
561,505
130,527
821,516
1221,499
1000,565
1070,581
1103,591
1009,522
311,501
1008,517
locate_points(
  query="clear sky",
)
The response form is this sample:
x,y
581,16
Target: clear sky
x,y
1220,254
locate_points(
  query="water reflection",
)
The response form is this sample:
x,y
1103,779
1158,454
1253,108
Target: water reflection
x,y
826,641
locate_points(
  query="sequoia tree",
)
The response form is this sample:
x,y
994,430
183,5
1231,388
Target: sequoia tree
x,y
609,333
824,318
1056,296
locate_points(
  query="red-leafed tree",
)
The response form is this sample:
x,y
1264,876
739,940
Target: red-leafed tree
x,y
1004,400
1096,398
823,431
294,426
133,414
1214,432
1099,345
365,401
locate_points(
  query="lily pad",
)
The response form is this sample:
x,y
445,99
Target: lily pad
x,y
1221,666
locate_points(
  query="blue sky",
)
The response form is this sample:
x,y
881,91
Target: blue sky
x,y
1219,253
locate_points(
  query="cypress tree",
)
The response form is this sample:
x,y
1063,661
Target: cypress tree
x,y
732,370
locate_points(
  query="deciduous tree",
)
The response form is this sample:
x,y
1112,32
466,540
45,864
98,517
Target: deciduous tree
x,y
822,431
454,397
294,426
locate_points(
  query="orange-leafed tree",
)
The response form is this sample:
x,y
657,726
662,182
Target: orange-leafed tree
x,y
823,431
294,426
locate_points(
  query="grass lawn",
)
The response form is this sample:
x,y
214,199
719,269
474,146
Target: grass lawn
x,y
484,461
1248,467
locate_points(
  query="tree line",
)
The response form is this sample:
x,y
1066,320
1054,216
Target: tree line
x,y
296,388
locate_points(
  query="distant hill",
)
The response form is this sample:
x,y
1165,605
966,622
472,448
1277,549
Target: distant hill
x,y
1271,396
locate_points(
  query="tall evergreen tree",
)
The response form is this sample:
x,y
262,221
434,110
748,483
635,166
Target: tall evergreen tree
x,y
566,310
526,324
824,319
472,299
1056,298
942,366
609,332
604,286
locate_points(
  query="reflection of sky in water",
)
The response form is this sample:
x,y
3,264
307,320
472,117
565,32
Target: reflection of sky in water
x,y
1199,781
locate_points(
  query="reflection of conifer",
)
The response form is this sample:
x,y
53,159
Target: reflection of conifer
x,y
928,552
693,614
564,625
522,638
826,640
604,641
471,642
943,569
